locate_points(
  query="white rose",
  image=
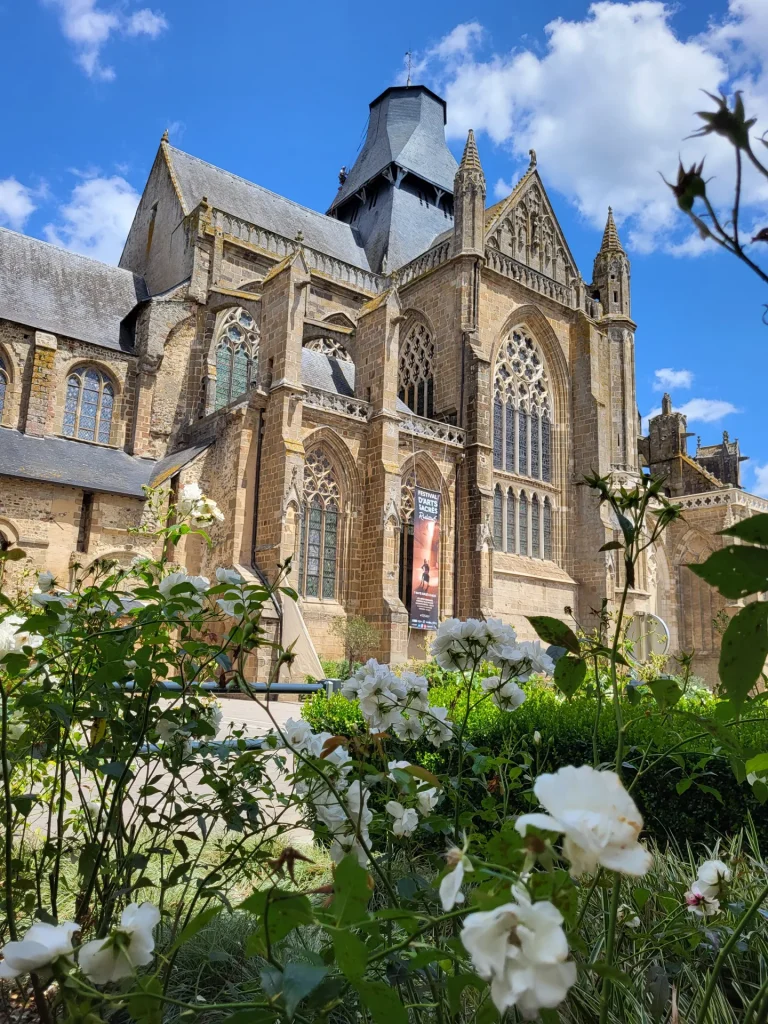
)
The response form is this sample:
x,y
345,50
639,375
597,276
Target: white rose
x,y
450,886
599,819
405,819
45,581
108,960
42,945
427,800
711,875
174,579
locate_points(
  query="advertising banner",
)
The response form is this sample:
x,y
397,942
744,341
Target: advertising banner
x,y
425,583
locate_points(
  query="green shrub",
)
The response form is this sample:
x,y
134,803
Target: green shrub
x,y
692,795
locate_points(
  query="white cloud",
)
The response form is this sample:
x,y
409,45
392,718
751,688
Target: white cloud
x,y
697,410
760,486
502,189
607,103
669,378
96,220
88,26
16,203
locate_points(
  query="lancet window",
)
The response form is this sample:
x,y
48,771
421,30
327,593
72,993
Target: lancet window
x,y
510,520
415,382
320,528
237,355
523,523
3,386
535,527
89,405
548,529
498,519
522,409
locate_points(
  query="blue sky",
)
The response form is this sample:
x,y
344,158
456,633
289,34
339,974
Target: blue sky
x,y
279,94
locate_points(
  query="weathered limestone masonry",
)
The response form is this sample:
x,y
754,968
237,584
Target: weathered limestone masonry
x,y
311,370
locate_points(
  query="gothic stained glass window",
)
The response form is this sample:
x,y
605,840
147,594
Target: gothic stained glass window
x,y
523,523
509,446
510,521
3,386
498,519
535,527
548,529
319,533
237,355
498,434
546,452
522,437
89,406
522,403
415,380
535,469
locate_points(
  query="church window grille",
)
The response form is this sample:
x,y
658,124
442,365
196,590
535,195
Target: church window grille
x,y
510,521
509,449
237,356
546,450
3,386
521,409
498,520
498,435
535,446
319,532
548,529
535,527
88,406
523,523
415,384
329,347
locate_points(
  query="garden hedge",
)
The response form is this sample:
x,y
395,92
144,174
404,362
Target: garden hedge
x,y
693,795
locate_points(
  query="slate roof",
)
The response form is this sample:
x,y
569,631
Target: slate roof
x,y
256,205
334,375
406,126
49,289
87,466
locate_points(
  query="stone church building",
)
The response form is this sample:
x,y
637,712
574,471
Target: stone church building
x,y
311,369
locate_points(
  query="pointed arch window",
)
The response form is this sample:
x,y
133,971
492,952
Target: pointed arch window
x,y
535,527
510,520
523,523
548,529
319,534
4,380
237,355
498,519
415,380
89,405
521,408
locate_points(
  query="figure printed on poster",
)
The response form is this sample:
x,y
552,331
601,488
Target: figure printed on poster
x,y
425,581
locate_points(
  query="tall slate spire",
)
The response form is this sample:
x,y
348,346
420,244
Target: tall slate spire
x,y
469,202
610,275
611,241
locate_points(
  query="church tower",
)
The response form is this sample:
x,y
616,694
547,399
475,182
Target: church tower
x,y
610,285
469,202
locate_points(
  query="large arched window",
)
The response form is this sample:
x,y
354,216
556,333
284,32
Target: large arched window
x,y
237,355
3,386
415,381
522,409
89,406
319,536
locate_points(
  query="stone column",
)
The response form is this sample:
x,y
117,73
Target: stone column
x,y
41,407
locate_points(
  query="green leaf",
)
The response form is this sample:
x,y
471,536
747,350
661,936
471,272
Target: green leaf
x,y
711,791
351,891
423,773
195,925
24,804
549,1016
146,1007
350,953
640,896
665,692
736,571
570,673
115,770
611,973
280,912
553,631
424,957
455,985
612,545
298,981
683,786
754,530
744,650
382,1002
757,764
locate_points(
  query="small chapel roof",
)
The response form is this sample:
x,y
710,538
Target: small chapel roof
x,y
257,205
50,289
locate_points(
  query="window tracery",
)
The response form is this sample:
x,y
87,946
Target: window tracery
x,y
319,534
548,529
498,519
535,527
329,347
523,523
415,383
89,405
237,355
522,406
510,520
4,379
